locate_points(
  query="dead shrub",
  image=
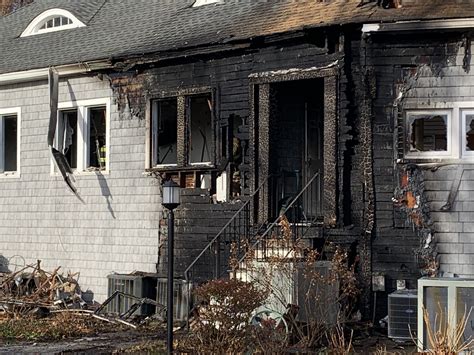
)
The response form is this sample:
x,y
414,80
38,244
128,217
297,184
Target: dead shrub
x,y
446,335
222,324
325,300
338,342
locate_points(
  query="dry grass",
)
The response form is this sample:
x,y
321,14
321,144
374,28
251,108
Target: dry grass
x,y
55,327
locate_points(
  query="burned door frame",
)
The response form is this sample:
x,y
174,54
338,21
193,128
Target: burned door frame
x,y
260,133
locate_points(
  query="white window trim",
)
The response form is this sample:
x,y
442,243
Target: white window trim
x,y
7,112
34,26
83,107
457,134
451,126
465,153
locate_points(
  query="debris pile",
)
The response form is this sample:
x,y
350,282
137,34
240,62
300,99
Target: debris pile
x,y
31,290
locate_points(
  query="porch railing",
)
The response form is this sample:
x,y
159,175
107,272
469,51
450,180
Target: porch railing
x,y
213,261
303,214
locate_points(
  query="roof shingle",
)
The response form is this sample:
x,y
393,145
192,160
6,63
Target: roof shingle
x,y
117,28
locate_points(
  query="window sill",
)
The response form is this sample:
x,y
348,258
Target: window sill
x,y
437,161
12,175
84,173
174,168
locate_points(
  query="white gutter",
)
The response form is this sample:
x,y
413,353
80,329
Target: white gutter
x,y
452,24
42,74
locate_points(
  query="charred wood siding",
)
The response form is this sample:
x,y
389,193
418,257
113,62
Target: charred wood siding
x,y
428,70
230,77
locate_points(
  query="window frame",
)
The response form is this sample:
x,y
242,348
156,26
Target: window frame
x,y
4,113
83,108
464,152
451,127
183,129
34,27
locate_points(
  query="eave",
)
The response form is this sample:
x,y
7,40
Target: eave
x,y
42,73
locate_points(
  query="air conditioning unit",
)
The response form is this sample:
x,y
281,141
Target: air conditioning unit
x,y
446,299
140,286
402,314
182,297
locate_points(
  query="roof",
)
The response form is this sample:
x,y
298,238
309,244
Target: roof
x,y
120,28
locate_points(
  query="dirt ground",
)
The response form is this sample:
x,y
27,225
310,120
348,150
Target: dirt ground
x,y
130,341
140,342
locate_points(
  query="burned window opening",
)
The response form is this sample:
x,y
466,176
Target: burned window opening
x,y
165,151
97,152
182,131
67,136
8,162
428,132
470,132
200,129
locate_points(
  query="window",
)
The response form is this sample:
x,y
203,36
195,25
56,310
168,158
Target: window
x,y
97,148
82,134
66,137
468,133
182,131
428,133
52,20
165,134
56,22
200,135
9,142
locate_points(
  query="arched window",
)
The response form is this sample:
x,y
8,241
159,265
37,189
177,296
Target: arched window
x,y
51,21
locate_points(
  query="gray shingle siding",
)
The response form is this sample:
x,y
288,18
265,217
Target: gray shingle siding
x,y
41,219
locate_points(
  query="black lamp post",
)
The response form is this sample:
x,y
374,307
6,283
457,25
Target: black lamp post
x,y
171,200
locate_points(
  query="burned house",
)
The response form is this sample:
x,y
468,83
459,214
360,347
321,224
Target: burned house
x,y
355,120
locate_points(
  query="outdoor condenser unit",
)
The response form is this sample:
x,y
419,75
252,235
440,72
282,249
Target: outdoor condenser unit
x,y
140,286
446,299
182,297
402,314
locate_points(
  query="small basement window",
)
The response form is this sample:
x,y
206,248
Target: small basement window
x,y
97,147
429,133
9,143
200,129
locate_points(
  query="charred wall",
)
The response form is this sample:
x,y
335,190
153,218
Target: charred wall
x,y
421,71
229,75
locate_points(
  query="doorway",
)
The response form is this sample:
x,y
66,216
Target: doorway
x,y
296,126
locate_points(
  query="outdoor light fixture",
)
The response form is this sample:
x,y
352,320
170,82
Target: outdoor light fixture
x,y
171,195
171,200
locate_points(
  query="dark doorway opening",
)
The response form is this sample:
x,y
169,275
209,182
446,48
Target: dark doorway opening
x,y
296,147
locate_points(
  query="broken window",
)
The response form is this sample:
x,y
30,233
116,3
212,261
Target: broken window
x,y
469,126
67,136
200,128
8,143
428,132
97,152
182,130
165,138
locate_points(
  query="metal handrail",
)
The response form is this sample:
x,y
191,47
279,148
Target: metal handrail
x,y
282,213
218,235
